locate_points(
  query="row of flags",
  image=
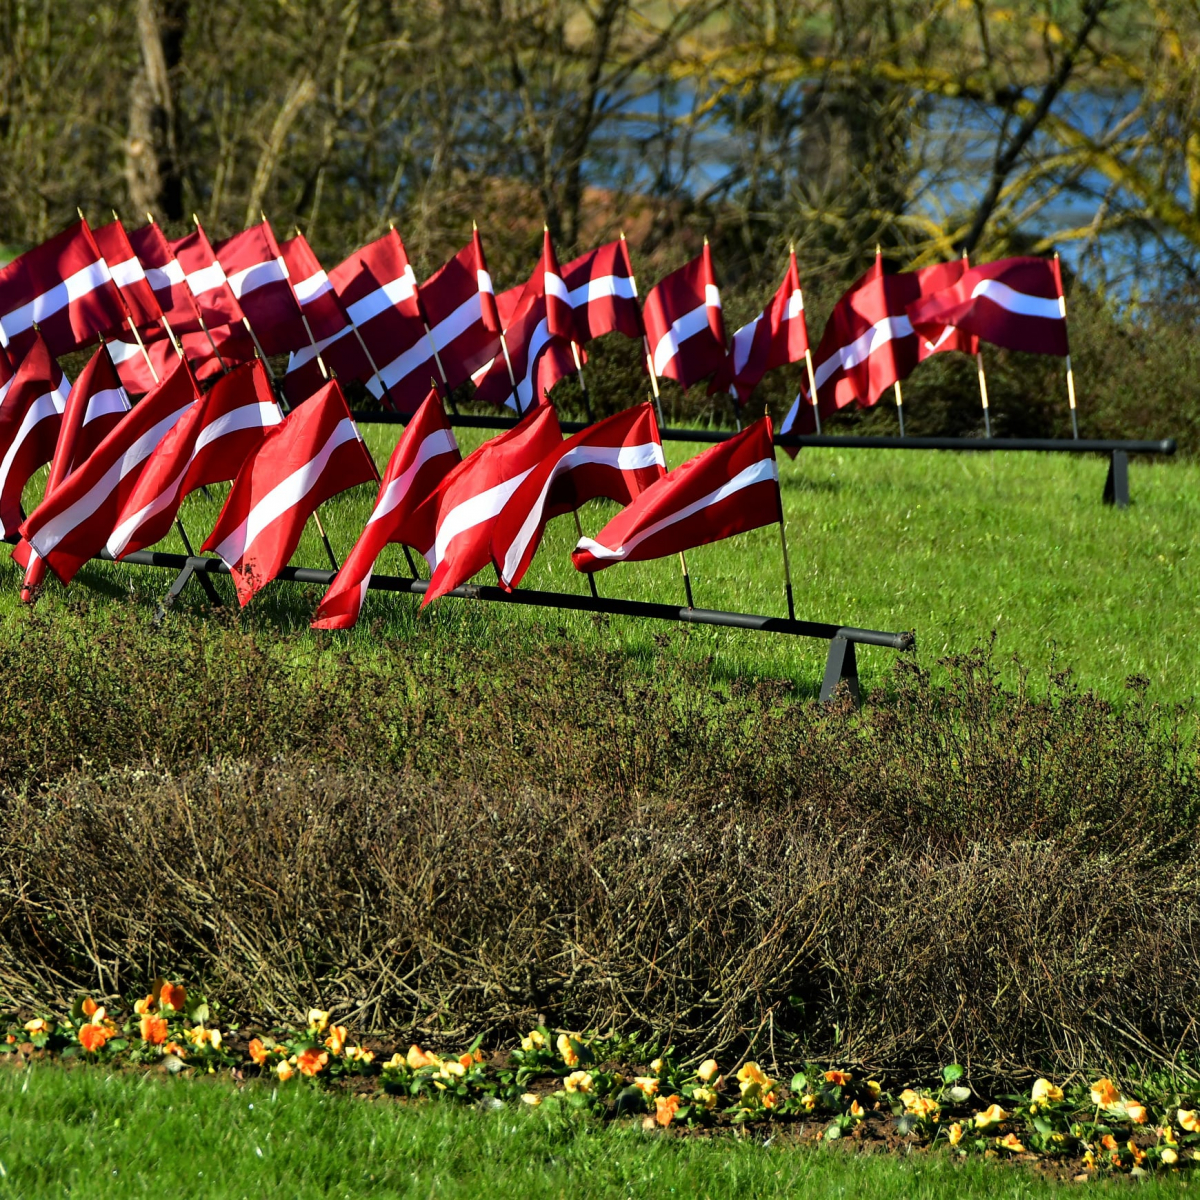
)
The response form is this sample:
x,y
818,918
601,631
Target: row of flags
x,y
370,320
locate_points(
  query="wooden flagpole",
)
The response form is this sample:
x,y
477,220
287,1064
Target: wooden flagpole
x,y
1062,308
983,396
646,346
587,398
896,385
808,362
787,565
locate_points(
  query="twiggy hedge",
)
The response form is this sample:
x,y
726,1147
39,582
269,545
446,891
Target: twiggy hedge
x,y
955,874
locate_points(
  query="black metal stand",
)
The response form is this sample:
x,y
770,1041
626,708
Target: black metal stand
x,y
1116,486
841,664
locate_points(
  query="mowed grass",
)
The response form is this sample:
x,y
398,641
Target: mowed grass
x,y
951,545
89,1133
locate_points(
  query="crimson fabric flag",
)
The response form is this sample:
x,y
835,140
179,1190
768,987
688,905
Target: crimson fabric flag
x,y
136,375
166,278
30,418
258,277
1015,302
464,508
602,292
74,523
65,287
326,318
459,303
424,455
206,279
94,407
128,274
314,453
208,445
726,490
778,336
684,324
6,373
616,459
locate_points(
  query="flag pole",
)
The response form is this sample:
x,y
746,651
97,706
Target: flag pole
x,y
808,362
587,398
590,574
900,406
1062,308
983,396
303,317
646,346
162,317
137,337
687,579
787,565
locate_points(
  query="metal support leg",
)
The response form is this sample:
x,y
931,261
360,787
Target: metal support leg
x,y
1116,486
841,664
181,581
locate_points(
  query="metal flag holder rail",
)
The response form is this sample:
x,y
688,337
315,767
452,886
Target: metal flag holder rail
x,y
1116,485
840,664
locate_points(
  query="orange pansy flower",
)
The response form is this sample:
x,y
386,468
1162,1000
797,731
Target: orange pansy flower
x,y
92,1037
257,1051
88,1006
312,1061
153,1030
173,994
665,1109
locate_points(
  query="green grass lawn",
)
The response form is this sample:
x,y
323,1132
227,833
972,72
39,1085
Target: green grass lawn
x,y
950,545
90,1133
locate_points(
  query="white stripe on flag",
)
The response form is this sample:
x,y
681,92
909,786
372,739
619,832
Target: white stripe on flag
x,y
484,282
538,341
758,472
4,389
283,496
468,313
622,458
258,275
49,405
387,295
795,305
792,414
555,287
863,347
307,290
440,441
111,400
63,293
206,279
686,326
127,273
743,341
1020,303
470,513
167,276
712,295
306,354
600,288
122,351
53,532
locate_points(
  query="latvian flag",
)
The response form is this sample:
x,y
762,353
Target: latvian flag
x,y
63,286
30,418
6,373
258,277
602,293
166,279
207,281
322,309
684,324
464,508
73,524
617,460
128,274
1015,302
208,445
314,453
423,457
729,489
773,339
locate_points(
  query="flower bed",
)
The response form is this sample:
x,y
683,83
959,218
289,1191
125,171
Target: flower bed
x,y
1081,1128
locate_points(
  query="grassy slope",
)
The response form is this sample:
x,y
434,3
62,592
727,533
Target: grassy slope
x,y
92,1134
951,545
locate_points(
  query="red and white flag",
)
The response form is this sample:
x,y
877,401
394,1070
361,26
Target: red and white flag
x,y
726,490
778,336
206,280
258,277
314,453
616,459
423,457
63,286
869,344
1015,302
684,323
94,407
208,445
73,524
166,278
464,508
128,274
6,373
30,418
602,292
325,315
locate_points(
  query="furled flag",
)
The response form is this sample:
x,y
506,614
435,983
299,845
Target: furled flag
x,y
94,408
1015,302
538,337
869,343
779,335
459,303
684,324
207,281
63,286
258,276
128,274
424,455
726,490
313,454
166,279
30,418
325,315
464,508
139,376
616,459
74,523
602,293
208,445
